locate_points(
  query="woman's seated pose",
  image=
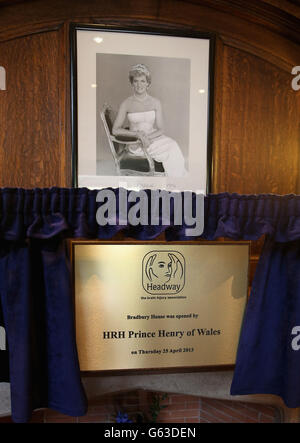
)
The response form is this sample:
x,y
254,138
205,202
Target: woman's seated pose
x,y
144,114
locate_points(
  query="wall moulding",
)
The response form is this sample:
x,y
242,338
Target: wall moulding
x,y
283,59
281,17
283,54
14,32
274,47
229,23
274,59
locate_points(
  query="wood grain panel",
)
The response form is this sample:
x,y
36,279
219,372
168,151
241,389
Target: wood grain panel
x,y
41,12
259,40
30,145
278,16
266,29
258,134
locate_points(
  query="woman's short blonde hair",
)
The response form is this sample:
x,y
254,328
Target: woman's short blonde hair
x,y
138,70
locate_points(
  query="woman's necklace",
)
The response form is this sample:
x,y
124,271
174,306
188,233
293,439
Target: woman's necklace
x,y
141,99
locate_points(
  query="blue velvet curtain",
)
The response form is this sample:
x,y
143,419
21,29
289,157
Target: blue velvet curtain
x,y
35,291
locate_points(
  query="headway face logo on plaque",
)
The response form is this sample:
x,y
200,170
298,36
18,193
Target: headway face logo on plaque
x,y
163,272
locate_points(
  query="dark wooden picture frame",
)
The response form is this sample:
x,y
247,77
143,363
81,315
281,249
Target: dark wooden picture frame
x,y
194,130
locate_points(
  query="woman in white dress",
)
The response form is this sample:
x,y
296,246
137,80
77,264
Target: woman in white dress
x,y
144,114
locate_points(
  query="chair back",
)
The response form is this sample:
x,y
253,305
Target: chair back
x,y
107,117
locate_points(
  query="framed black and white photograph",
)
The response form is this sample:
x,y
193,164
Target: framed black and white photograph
x,y
141,107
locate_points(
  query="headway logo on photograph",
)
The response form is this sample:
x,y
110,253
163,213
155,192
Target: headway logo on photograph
x,y
163,272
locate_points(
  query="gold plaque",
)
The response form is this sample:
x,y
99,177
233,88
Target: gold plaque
x,y
159,305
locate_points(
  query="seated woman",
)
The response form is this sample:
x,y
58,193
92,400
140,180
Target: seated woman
x,y
144,114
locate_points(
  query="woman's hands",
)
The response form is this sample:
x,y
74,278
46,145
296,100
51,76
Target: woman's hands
x,y
147,139
141,135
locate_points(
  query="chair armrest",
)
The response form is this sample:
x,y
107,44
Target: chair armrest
x,y
126,140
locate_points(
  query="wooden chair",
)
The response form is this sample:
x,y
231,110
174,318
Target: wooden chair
x,y
127,163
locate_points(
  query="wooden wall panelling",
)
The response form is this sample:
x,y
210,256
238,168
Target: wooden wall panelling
x,y
32,111
247,34
279,16
239,20
217,116
40,13
258,145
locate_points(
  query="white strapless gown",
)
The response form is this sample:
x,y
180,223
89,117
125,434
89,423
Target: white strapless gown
x,y
163,149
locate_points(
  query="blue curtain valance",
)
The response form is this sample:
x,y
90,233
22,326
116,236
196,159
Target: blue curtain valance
x,y
45,213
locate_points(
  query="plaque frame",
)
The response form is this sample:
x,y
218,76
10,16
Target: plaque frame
x,y
155,243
